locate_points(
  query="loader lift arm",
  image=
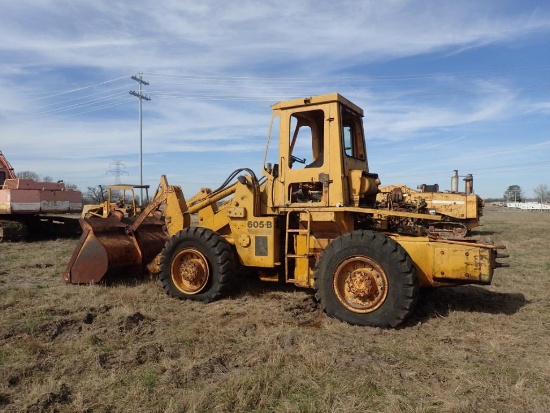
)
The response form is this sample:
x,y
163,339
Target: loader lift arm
x,y
176,211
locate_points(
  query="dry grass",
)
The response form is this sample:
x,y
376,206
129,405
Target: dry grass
x,y
126,347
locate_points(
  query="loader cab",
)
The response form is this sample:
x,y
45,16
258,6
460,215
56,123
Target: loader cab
x,y
320,143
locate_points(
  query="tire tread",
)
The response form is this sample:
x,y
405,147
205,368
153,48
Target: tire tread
x,y
397,259
222,263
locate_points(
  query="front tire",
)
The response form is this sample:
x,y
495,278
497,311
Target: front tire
x,y
197,264
366,278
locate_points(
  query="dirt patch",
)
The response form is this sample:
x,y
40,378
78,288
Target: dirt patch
x,y
148,353
49,401
126,346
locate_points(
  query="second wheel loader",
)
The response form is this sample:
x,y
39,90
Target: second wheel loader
x,y
311,220
121,199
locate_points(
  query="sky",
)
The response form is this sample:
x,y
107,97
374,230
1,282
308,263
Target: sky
x,y
445,86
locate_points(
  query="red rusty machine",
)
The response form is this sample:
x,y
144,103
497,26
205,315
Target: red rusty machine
x,y
29,207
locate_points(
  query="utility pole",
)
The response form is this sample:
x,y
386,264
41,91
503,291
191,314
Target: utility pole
x,y
138,78
509,194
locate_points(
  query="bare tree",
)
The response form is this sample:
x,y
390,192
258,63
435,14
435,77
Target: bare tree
x,y
96,194
28,175
47,178
542,192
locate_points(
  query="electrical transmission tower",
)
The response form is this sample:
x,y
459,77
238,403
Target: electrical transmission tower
x,y
138,78
117,169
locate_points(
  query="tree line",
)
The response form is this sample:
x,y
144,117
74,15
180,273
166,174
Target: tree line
x,y
514,193
45,178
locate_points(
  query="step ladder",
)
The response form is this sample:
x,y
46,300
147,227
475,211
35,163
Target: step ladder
x,y
290,230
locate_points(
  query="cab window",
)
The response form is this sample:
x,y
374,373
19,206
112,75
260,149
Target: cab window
x,y
306,141
352,135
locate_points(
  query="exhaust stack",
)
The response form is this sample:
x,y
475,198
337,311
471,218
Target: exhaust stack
x,y
469,184
454,181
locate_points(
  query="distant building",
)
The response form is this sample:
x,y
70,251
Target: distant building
x,y
535,206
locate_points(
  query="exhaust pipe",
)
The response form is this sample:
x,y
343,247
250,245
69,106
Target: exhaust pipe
x,y
454,181
469,184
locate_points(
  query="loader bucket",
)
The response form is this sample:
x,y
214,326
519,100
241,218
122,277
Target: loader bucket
x,y
108,247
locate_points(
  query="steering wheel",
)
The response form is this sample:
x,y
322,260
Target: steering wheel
x,y
296,159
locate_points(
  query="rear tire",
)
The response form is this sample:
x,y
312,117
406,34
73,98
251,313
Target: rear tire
x,y
197,264
366,278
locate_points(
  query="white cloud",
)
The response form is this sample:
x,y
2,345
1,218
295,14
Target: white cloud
x,y
538,107
210,36
406,121
275,50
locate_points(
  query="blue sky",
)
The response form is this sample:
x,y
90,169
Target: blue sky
x,y
444,85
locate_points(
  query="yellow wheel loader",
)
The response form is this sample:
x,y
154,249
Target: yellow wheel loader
x,y
121,198
312,220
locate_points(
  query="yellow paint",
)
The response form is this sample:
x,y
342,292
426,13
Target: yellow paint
x,y
443,261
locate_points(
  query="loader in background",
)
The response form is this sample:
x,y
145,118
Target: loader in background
x,y
312,220
121,198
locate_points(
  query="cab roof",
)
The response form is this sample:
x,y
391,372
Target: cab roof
x,y
316,100
126,187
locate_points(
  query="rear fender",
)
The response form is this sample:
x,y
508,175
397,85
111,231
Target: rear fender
x,y
440,262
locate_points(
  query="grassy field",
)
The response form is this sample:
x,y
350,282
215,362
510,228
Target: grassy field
x,y
127,347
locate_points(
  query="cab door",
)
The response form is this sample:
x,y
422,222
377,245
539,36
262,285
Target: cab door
x,y
304,156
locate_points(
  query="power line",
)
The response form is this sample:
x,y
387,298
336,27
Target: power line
x,y
86,96
386,88
110,105
356,78
88,103
226,86
80,88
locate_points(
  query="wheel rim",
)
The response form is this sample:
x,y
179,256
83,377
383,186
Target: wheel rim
x,y
189,271
360,284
